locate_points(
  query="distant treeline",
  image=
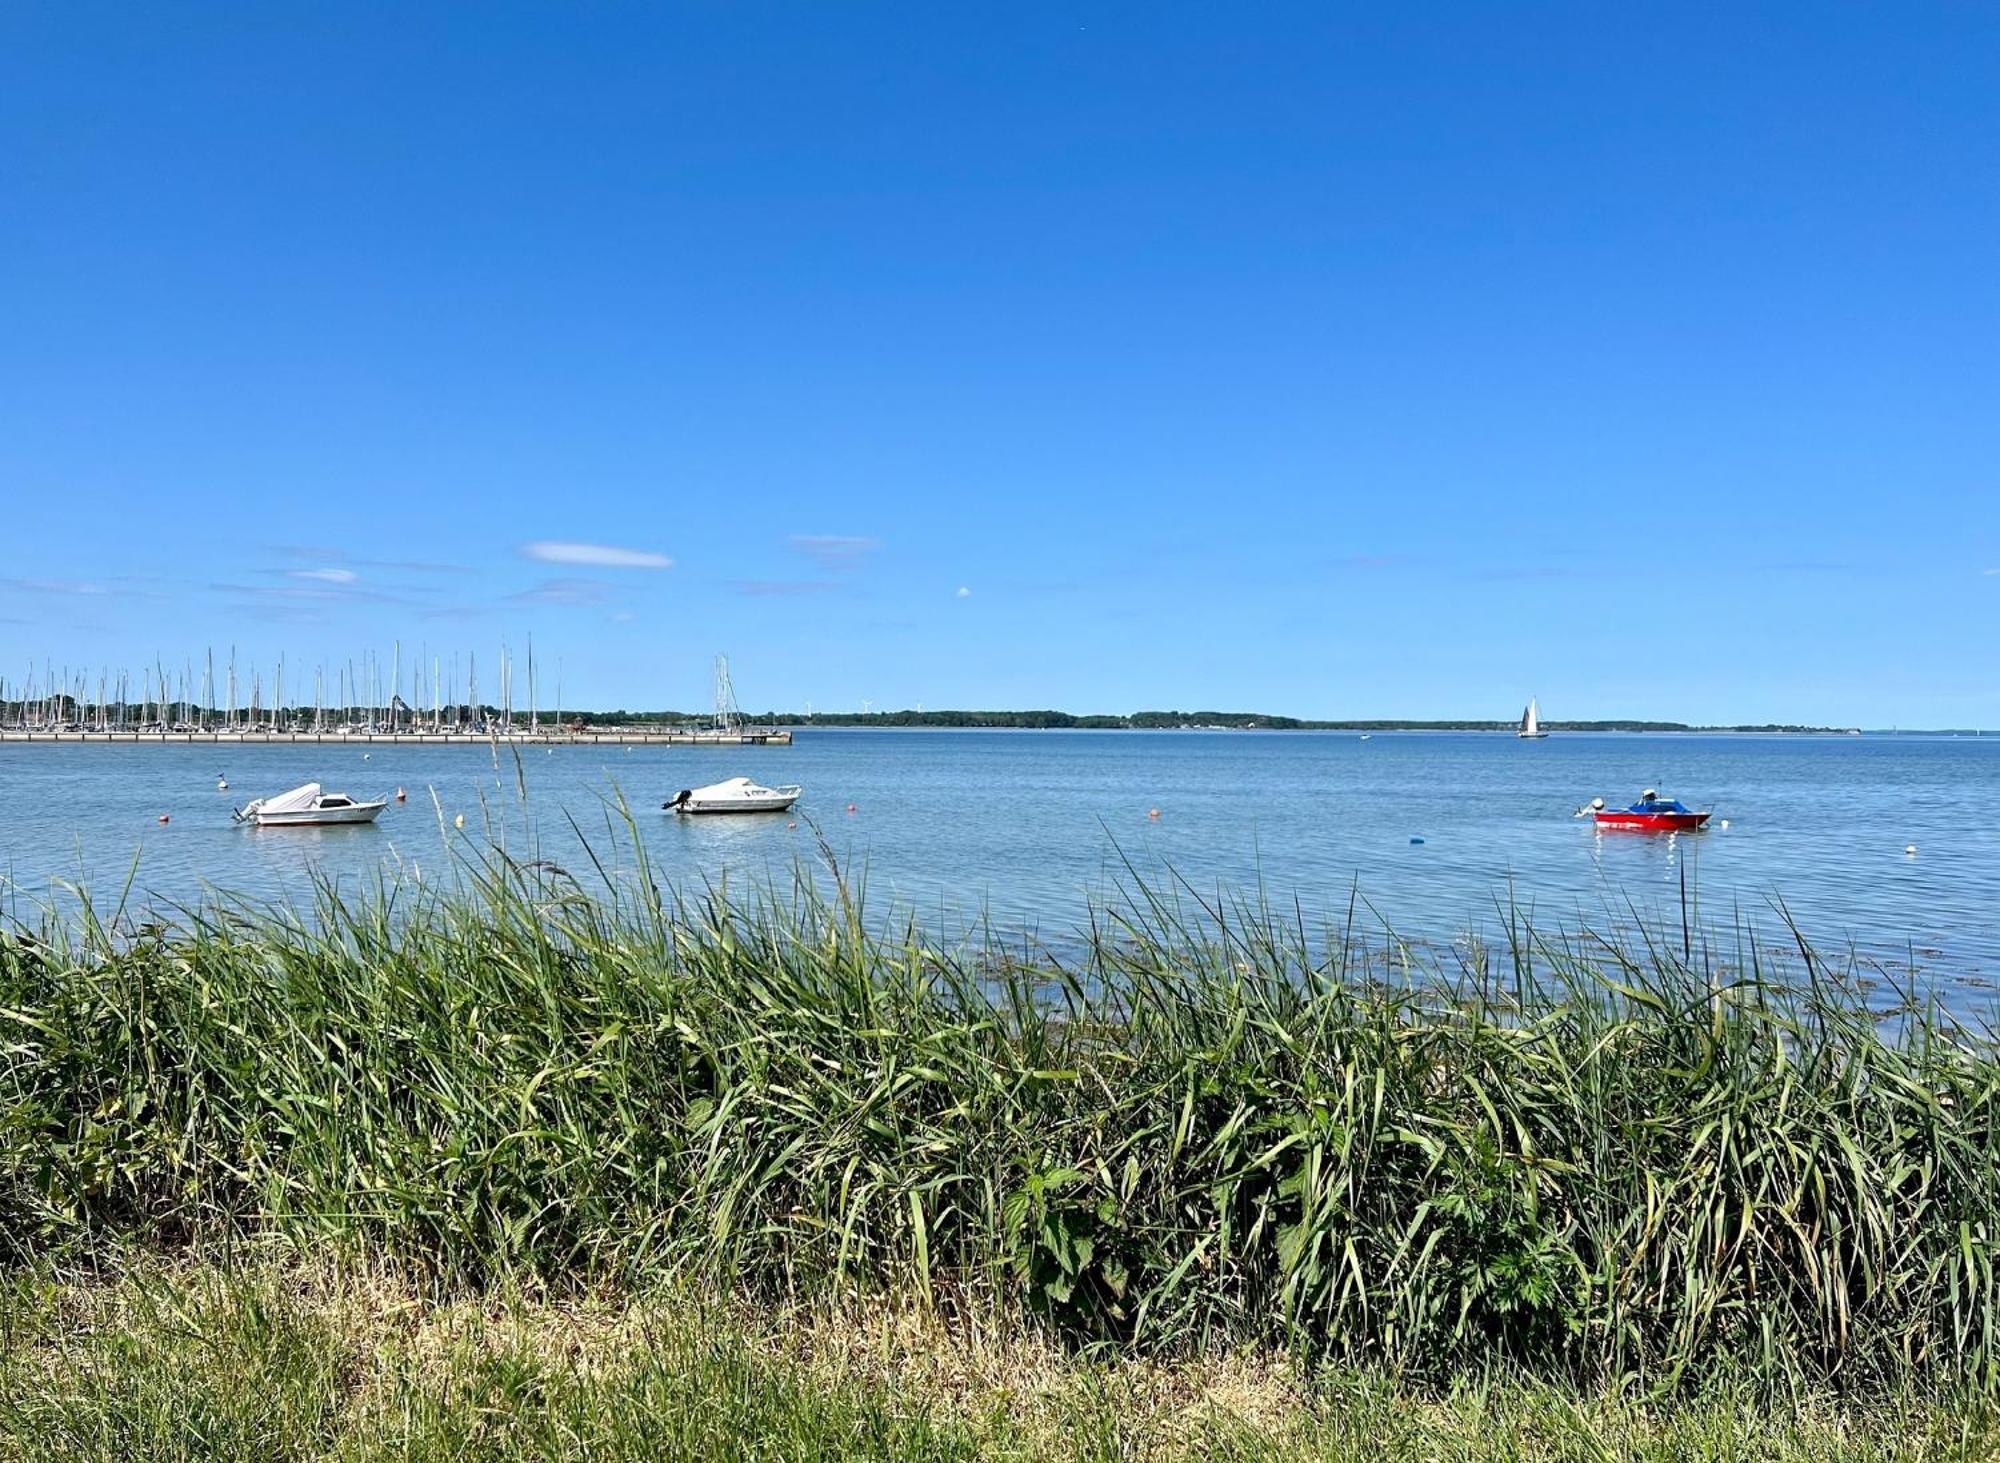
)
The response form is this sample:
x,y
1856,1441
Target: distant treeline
x,y
1143,721
65,707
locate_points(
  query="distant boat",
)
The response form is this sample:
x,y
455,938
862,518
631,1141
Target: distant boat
x,y
307,806
737,795
1531,722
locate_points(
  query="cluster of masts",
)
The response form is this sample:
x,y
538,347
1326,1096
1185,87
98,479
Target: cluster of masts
x,y
428,694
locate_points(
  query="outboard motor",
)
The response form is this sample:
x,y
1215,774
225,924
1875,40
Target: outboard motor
x,y
678,798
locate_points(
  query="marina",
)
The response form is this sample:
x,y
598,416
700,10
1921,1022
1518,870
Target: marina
x,y
160,708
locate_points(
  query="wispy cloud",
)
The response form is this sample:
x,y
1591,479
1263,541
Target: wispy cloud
x,y
783,586
295,615
564,592
325,576
601,556
413,566
1991,573
322,592
1529,571
835,550
963,593
53,586
326,554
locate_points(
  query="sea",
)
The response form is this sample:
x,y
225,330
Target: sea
x,y
1882,848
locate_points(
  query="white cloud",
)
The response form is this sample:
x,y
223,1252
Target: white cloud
x,y
1990,572
325,576
963,592
603,556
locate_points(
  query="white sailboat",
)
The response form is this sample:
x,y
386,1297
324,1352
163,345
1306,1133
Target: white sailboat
x,y
1531,722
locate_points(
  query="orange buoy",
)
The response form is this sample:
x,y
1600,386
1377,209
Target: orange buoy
x,y
851,808
1154,814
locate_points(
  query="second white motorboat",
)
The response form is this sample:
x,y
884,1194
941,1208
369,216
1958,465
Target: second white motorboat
x,y
307,806
737,795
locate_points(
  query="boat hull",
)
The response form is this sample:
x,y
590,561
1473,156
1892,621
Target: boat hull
x,y
1649,822
320,817
779,804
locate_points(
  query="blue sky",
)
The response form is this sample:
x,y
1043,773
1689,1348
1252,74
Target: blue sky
x,y
1332,360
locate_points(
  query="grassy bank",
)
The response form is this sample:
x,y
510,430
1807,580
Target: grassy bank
x,y
1625,1171
196,1362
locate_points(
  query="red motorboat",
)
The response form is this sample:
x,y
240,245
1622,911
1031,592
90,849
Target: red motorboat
x,y
1651,814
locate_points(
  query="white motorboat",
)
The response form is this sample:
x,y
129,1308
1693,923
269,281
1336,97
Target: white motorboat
x,y
737,795
306,807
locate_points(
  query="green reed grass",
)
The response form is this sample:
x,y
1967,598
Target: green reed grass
x,y
1599,1161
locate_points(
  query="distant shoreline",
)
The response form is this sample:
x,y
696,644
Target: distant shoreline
x,y
1046,720
554,737
780,731
1420,729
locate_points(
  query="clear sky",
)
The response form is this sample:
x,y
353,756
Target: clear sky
x,y
1332,360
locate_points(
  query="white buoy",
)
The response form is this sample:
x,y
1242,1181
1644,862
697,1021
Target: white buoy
x,y
1724,823
1910,849
222,784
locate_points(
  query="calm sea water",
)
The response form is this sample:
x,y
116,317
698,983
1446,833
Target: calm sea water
x,y
1027,827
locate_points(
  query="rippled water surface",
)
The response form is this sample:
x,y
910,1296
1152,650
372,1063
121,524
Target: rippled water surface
x,y
1027,826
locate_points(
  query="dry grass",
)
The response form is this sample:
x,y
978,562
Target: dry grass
x,y
361,1362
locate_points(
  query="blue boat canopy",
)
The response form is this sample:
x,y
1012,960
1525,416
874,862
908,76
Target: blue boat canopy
x,y
1659,805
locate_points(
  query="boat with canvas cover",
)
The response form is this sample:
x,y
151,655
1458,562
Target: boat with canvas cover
x,y
1652,813
307,806
737,795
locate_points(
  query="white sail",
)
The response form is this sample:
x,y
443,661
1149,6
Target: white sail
x,y
1531,721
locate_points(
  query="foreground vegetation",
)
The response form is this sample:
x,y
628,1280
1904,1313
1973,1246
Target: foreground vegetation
x,y
297,1364
1656,1172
